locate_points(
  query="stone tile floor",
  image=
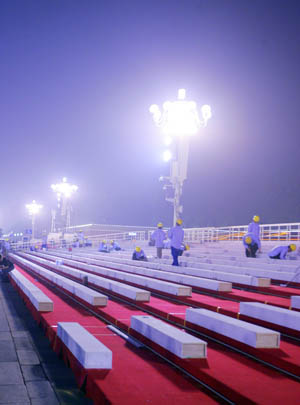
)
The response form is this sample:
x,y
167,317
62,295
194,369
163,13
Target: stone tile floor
x,y
30,372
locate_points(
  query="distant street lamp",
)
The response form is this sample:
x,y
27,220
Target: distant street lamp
x,y
33,210
64,192
179,120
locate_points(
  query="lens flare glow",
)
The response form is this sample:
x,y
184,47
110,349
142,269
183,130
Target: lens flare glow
x,y
167,155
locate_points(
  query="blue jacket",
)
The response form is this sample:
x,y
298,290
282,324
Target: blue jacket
x,y
279,249
253,227
159,236
139,255
176,234
103,247
254,238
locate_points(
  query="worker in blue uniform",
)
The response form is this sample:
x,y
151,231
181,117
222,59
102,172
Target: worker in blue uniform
x,y
176,235
280,252
253,228
103,247
139,254
114,245
159,235
251,243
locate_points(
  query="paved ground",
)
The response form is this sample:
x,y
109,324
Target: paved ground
x,y
30,372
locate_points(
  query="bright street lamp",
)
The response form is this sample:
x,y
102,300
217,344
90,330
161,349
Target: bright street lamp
x,y
33,210
178,121
64,192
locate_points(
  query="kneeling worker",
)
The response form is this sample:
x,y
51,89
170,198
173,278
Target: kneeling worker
x,y
251,243
280,252
103,247
139,254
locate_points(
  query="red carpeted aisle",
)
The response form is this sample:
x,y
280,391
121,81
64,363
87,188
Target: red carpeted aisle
x,y
240,378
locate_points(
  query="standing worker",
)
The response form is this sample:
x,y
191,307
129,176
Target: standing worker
x,y
280,252
253,227
176,235
6,266
159,235
251,243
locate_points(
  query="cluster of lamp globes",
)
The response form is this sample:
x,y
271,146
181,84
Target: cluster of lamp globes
x,y
62,190
179,118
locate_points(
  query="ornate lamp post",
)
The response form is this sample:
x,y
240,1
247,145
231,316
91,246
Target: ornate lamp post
x,y
64,192
179,120
33,210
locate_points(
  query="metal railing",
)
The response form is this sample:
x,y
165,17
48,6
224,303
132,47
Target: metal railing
x,y
268,232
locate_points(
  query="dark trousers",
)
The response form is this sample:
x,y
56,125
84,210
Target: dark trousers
x,y
275,257
159,252
175,253
251,250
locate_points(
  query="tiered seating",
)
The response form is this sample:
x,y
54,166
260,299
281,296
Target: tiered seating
x,y
157,285
89,351
212,371
116,287
181,344
39,300
92,297
244,332
200,274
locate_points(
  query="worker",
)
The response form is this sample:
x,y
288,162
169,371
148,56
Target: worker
x,y
176,235
139,254
80,237
103,247
6,266
251,243
114,245
253,228
159,235
280,252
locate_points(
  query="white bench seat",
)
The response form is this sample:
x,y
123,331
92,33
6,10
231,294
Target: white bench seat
x,y
37,297
295,301
268,313
89,351
172,339
244,332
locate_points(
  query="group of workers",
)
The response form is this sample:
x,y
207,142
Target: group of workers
x,y
251,241
108,247
176,236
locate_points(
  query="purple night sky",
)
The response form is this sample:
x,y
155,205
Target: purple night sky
x,y
77,80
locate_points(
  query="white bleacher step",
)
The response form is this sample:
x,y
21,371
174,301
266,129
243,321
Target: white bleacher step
x,y
37,297
89,351
172,339
295,301
86,294
241,331
268,313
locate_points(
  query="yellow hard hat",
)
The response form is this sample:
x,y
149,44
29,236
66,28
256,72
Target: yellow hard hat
x,y
293,247
159,225
179,221
248,240
138,249
187,247
104,241
256,218
111,241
